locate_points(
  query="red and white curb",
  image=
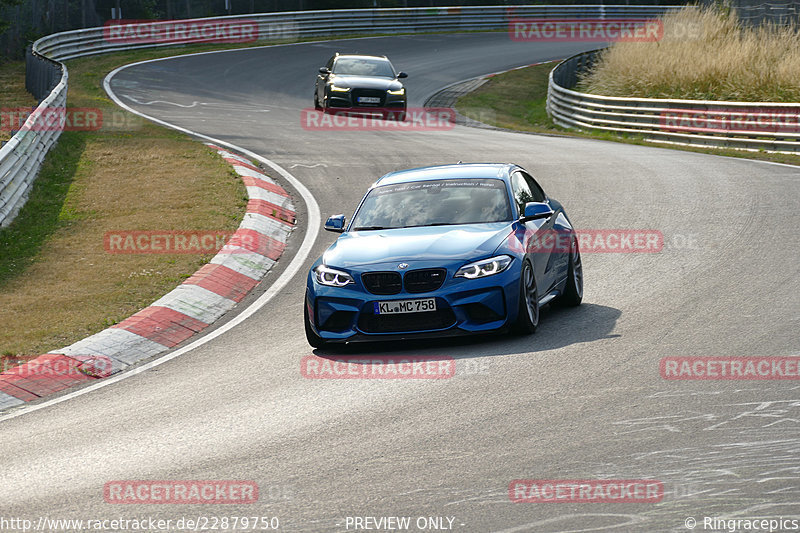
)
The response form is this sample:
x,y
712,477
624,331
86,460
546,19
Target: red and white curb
x,y
188,309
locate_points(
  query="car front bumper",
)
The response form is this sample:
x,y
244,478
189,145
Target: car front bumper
x,y
463,307
347,101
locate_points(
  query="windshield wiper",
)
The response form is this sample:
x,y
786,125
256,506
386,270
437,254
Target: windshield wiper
x,y
367,228
434,224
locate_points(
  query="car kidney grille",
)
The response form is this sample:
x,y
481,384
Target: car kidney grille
x,y
375,93
382,282
424,280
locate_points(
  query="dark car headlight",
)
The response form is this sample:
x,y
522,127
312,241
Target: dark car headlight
x,y
484,268
332,277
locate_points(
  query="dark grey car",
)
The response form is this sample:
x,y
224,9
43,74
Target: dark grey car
x,y
361,84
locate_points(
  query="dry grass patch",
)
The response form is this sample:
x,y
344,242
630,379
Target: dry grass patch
x,y
516,100
705,54
57,283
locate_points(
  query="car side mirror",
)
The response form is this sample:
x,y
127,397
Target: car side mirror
x,y
324,70
335,223
402,75
536,210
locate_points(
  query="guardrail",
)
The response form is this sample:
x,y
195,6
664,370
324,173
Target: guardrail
x,y
754,126
302,24
21,157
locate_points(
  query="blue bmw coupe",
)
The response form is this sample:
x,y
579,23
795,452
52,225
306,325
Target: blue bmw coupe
x,y
445,250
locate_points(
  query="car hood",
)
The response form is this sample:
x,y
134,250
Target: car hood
x,y
446,243
366,82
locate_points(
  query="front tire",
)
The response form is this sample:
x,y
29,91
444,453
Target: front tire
x,y
528,314
316,102
573,288
313,339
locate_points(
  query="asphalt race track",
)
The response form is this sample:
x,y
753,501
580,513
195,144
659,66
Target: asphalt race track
x,y
581,399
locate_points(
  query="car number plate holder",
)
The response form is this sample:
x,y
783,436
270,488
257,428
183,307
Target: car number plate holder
x,y
396,307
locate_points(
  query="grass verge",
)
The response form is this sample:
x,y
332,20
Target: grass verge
x,y
57,283
13,95
516,100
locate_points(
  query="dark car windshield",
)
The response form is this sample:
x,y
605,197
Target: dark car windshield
x,y
432,203
360,66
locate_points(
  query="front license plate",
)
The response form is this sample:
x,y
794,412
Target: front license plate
x,y
420,305
369,100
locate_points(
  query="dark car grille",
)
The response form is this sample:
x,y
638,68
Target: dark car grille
x,y
424,280
481,314
339,321
369,92
439,319
382,282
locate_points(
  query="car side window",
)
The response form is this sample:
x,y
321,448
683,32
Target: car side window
x,y
536,191
521,191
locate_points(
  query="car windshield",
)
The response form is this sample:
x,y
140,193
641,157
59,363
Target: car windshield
x,y
360,66
434,203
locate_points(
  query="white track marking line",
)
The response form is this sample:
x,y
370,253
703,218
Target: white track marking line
x,y
151,102
312,231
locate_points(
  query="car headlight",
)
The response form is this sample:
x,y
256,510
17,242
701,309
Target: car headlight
x,y
400,91
336,89
486,267
332,277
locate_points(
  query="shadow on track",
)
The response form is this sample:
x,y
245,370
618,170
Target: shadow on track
x,y
557,328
